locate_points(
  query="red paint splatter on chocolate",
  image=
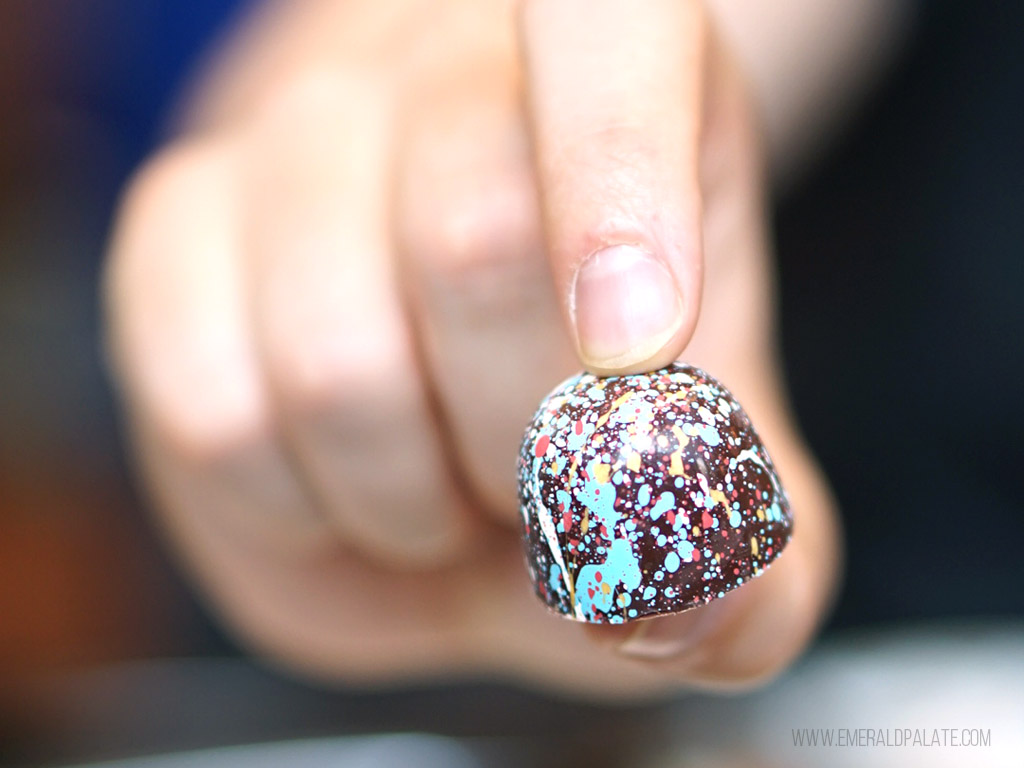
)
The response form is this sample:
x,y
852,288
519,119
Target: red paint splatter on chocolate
x,y
542,446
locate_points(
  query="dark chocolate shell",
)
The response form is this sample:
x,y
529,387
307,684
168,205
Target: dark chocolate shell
x,y
646,494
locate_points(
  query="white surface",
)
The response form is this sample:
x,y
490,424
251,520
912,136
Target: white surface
x,y
391,751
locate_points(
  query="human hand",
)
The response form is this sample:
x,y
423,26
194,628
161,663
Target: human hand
x,y
336,299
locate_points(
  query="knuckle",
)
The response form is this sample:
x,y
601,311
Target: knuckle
x,y
499,287
209,420
174,346
200,394
302,102
474,229
138,207
302,94
315,367
157,202
167,182
485,248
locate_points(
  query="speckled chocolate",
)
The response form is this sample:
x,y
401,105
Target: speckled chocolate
x,y
644,495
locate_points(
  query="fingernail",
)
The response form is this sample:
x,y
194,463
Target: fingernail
x,y
671,636
625,305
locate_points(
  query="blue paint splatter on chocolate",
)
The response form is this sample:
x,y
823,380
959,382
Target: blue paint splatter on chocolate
x,y
646,494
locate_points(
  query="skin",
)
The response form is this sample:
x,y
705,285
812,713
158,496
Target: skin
x,y
335,299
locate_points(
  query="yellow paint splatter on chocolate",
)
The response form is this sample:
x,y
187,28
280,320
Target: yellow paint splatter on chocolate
x,y
646,494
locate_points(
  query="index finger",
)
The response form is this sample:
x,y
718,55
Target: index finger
x,y
614,92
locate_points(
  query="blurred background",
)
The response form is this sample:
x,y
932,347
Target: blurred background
x,y
901,255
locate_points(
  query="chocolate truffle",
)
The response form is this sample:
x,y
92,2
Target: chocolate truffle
x,y
644,495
